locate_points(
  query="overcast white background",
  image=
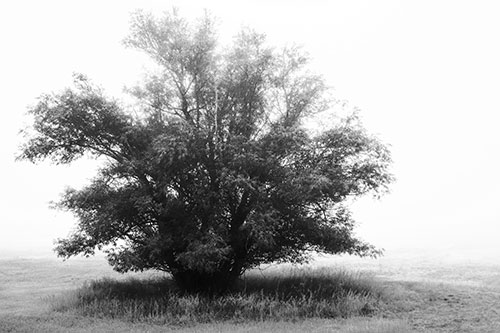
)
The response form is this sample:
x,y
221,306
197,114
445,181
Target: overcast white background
x,y
426,76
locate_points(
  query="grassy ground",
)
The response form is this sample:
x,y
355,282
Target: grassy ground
x,y
279,295
37,295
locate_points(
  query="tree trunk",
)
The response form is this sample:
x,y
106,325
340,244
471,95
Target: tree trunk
x,y
192,281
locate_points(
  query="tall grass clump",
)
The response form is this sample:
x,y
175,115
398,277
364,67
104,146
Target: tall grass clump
x,y
277,294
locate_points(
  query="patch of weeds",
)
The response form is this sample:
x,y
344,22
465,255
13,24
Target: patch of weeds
x,y
277,295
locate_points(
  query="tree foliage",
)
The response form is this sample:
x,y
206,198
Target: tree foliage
x,y
217,173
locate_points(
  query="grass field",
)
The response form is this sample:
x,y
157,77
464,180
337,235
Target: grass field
x,y
402,294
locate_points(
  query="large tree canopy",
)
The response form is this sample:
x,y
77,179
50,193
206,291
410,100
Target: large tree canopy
x,y
216,173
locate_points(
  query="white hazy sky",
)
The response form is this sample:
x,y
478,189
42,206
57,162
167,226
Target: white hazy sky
x,y
425,74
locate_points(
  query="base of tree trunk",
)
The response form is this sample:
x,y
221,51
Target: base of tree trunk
x,y
203,282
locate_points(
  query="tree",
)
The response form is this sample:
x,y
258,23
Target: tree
x,y
217,173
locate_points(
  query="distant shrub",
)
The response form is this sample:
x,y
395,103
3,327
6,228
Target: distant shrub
x,y
279,294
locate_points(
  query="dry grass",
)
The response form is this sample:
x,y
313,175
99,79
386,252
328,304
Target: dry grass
x,y
64,323
279,295
413,296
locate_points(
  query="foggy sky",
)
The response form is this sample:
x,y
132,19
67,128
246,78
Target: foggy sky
x,y
425,75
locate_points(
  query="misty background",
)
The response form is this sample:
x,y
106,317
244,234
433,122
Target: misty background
x,y
425,76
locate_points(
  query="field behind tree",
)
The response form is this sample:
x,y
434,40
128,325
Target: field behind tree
x,y
421,293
